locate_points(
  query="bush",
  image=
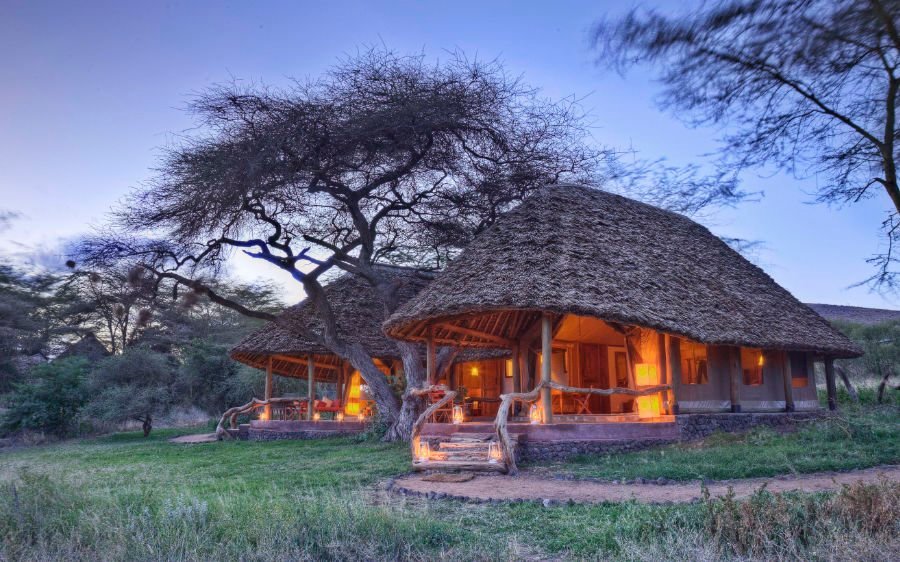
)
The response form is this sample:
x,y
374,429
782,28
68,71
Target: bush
x,y
51,400
789,525
137,385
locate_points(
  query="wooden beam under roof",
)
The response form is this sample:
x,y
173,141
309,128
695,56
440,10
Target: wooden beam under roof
x,y
299,361
476,334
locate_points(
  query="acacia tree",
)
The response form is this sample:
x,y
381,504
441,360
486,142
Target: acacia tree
x,y
356,168
810,86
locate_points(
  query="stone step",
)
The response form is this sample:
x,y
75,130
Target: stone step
x,y
476,446
447,465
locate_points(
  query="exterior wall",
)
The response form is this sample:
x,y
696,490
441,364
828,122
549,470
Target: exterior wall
x,y
714,396
806,397
769,396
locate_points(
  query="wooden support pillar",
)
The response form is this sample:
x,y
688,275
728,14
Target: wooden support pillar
x,y
830,384
267,393
310,386
546,360
673,359
787,379
662,367
735,372
430,360
516,371
339,387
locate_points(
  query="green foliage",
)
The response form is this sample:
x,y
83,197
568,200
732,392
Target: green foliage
x,y
137,385
51,400
148,499
881,347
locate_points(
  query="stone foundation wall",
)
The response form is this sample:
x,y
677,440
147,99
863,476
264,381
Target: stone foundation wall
x,y
274,435
561,450
697,426
690,427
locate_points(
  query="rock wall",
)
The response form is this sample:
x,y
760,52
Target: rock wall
x,y
690,427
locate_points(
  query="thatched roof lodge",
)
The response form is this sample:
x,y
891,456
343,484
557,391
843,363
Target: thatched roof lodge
x,y
285,346
624,294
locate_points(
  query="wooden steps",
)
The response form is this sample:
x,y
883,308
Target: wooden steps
x,y
462,452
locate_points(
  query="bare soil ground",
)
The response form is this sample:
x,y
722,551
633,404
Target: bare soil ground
x,y
527,486
195,438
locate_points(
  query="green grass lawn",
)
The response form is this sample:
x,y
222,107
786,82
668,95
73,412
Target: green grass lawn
x,y
123,497
861,437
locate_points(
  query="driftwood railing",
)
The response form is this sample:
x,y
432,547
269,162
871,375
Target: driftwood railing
x,y
506,400
449,395
231,414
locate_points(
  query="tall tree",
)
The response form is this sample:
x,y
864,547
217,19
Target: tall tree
x,y
341,173
810,86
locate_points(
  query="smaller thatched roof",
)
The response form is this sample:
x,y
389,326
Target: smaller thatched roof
x,y
288,340
577,250
88,347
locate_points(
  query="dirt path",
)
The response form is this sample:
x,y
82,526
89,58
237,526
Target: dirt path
x,y
533,487
195,438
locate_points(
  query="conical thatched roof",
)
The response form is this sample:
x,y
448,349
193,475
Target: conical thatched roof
x,y
359,320
574,249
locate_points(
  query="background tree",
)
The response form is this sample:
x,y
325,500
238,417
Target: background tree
x,y
809,86
138,385
50,400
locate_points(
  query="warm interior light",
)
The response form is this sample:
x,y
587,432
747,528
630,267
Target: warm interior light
x,y
339,416
458,416
353,403
474,371
534,414
424,451
762,360
263,414
361,416
645,374
648,406
317,416
509,368
494,455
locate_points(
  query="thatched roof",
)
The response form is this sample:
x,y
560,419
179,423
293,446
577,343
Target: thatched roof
x,y
88,347
359,317
855,314
574,249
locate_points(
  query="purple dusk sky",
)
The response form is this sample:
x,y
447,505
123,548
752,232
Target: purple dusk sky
x,y
91,90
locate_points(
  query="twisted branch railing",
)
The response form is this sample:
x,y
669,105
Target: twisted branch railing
x,y
449,395
231,414
506,400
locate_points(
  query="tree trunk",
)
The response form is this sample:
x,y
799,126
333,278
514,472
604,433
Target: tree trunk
x,y
412,405
847,384
883,385
147,426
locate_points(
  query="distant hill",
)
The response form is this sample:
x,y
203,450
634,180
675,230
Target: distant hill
x,y
857,314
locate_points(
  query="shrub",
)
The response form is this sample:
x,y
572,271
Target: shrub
x,y
789,525
51,400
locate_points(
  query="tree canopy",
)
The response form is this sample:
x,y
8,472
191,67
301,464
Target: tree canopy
x,y
809,86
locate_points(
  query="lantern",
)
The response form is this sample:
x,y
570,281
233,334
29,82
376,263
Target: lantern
x,y
317,416
534,415
494,455
458,416
264,414
645,374
361,416
424,451
339,417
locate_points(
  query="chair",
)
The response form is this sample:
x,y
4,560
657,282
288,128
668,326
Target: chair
x,y
444,414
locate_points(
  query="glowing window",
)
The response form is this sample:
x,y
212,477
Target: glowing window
x,y
752,363
694,363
